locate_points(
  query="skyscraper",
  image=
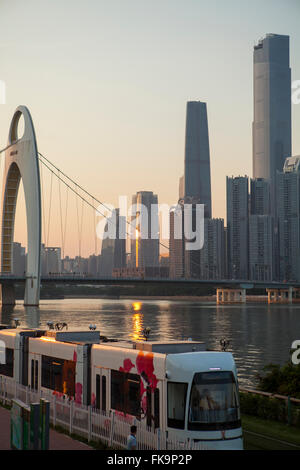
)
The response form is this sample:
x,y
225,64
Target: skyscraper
x,y
272,109
212,255
288,202
145,248
237,227
113,251
261,232
197,157
176,245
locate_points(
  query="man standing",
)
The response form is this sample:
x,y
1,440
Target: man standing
x,y
131,440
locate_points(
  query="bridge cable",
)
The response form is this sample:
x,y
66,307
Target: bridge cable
x,y
66,217
43,207
97,200
50,203
61,218
90,195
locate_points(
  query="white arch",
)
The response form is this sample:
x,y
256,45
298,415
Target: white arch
x,y
21,161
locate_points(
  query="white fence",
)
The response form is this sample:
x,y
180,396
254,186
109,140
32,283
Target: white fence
x,y
94,425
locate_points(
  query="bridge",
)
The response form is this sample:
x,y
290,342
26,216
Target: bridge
x,y
24,162
112,281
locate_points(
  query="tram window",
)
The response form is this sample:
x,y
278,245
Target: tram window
x,y
125,392
103,393
32,373
97,391
36,377
59,375
214,402
8,368
176,404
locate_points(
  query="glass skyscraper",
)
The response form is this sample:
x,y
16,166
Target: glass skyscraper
x,y
272,109
197,158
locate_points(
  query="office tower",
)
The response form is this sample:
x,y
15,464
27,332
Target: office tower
x,y
288,210
197,158
212,255
272,109
261,232
51,260
237,227
145,245
113,251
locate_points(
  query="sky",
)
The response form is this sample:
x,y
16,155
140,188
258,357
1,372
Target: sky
x,y
107,83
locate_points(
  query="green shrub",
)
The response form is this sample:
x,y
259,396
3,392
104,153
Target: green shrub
x,y
269,408
283,380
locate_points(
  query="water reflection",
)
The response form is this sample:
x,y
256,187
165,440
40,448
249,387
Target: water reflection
x,y
32,316
6,314
137,326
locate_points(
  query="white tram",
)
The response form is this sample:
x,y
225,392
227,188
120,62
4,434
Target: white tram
x,y
178,387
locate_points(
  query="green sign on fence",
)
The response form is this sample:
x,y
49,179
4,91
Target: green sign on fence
x,y
30,425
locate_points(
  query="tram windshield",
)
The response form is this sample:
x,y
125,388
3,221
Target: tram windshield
x,y
214,402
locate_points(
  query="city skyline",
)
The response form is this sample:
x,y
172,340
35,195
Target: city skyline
x,y
208,84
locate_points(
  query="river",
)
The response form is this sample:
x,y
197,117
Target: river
x,y
258,333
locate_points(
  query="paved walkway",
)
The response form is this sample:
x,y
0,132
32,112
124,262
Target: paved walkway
x,y
58,441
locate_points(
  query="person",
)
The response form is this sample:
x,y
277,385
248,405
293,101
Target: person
x,y
131,440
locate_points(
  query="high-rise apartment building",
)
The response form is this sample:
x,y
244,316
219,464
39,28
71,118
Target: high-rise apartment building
x,y
237,227
212,255
272,109
113,251
288,210
145,245
261,232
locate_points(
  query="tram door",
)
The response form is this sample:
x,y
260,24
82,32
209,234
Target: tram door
x,y
101,389
153,407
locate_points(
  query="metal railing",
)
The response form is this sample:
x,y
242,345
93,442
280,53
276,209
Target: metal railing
x,y
111,427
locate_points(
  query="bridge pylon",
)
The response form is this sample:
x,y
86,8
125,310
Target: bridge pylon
x,y
21,161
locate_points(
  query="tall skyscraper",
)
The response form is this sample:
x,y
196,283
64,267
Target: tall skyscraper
x,y
237,227
145,248
197,157
272,109
261,232
288,209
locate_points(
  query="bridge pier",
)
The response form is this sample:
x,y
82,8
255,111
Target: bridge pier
x,y
280,296
7,294
231,296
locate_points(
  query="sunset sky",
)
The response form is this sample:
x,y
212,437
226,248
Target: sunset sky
x,y
107,83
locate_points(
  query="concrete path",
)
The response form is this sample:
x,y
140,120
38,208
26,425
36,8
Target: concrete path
x,y
58,441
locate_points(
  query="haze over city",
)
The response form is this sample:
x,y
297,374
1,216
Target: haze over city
x,y
107,85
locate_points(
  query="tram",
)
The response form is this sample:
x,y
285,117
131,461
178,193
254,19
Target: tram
x,y
178,387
